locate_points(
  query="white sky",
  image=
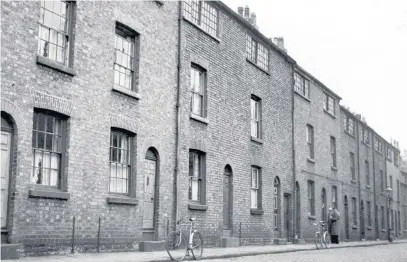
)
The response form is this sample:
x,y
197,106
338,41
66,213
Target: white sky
x,y
358,48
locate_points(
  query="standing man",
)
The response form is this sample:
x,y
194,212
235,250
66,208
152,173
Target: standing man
x,y
334,218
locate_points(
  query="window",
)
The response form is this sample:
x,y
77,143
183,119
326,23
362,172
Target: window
x,y
354,213
379,145
348,125
396,159
333,151
365,136
255,189
389,154
311,197
335,197
202,13
196,176
391,184
310,141
47,142
198,88
369,215
329,104
126,57
382,182
120,162
55,31
352,165
367,172
257,53
383,217
301,85
398,190
255,123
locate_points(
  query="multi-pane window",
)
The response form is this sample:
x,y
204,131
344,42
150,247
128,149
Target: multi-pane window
x,y
47,141
354,212
335,197
255,119
333,151
301,85
120,162
352,165
311,197
367,172
396,159
125,57
310,141
203,14
348,125
365,136
198,91
257,53
55,30
382,182
196,176
389,154
255,188
378,145
369,215
329,104
383,217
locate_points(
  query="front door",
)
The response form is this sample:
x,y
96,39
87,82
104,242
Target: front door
x,y
346,218
362,220
149,193
227,199
5,171
287,215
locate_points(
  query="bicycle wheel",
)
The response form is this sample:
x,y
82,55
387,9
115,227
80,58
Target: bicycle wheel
x,y
317,240
176,246
197,246
326,238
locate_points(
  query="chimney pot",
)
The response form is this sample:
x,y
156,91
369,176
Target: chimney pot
x,y
247,12
240,10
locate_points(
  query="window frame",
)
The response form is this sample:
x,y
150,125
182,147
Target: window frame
x,y
258,122
277,203
62,175
326,99
365,136
198,21
135,36
252,52
310,141
383,218
349,125
258,190
203,82
367,172
382,180
369,213
68,34
202,177
352,165
301,85
333,151
335,197
311,197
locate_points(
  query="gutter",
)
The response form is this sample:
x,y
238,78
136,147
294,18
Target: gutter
x,y
374,191
178,119
295,226
359,187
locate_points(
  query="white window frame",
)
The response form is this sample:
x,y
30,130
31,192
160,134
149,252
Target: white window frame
x,y
255,188
198,92
329,107
255,117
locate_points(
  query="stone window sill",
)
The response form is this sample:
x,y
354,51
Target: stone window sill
x,y
257,140
258,67
122,200
312,217
199,118
256,211
334,168
200,207
353,181
366,144
201,29
126,91
55,65
349,134
383,230
354,227
51,194
329,113
311,160
369,227
302,96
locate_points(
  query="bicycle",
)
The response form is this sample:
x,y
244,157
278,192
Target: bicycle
x,y
178,247
325,238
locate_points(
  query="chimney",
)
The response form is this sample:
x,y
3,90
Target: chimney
x,y
279,42
359,116
240,11
246,12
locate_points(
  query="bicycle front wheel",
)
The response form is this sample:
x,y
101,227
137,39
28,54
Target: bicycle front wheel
x,y
176,246
317,240
326,239
197,245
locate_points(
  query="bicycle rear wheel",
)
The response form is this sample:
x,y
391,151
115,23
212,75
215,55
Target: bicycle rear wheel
x,y
176,246
317,240
326,238
197,245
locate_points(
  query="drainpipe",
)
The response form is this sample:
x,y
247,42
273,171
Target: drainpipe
x,y
359,187
374,189
293,152
178,119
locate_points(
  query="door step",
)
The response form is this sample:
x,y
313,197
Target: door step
x,y
9,251
227,233
280,241
300,241
229,242
150,246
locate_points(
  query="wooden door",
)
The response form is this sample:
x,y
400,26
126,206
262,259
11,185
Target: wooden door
x,y
287,215
149,193
227,200
5,172
346,218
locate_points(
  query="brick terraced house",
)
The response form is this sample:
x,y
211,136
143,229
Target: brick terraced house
x,y
119,118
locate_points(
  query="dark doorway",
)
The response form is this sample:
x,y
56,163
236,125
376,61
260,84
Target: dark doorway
x,y
287,215
227,198
346,218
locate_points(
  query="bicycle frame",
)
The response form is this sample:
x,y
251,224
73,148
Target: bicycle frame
x,y
192,231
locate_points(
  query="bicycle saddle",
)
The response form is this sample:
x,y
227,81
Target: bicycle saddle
x,y
192,219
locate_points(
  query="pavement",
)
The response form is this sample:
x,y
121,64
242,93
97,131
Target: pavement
x,y
209,253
